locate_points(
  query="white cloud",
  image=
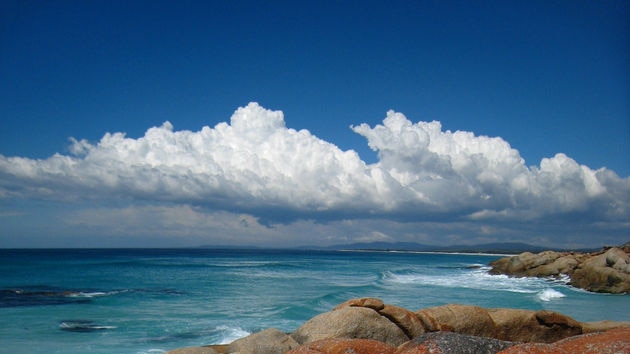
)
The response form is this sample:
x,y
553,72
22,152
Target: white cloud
x,y
256,165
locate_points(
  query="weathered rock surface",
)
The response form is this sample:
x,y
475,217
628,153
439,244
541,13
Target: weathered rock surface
x,y
614,341
533,326
193,350
602,326
269,341
449,342
406,320
345,346
608,272
603,271
463,319
350,322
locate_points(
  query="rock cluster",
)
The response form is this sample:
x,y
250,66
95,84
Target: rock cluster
x,y
606,271
369,326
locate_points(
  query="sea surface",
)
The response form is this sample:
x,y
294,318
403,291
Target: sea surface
x,y
153,300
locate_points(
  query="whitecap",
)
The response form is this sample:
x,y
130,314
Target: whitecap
x,y
549,294
230,334
82,326
473,279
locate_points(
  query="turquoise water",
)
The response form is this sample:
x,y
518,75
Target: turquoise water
x,y
150,301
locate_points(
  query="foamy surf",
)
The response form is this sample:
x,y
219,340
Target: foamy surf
x,y
230,334
549,295
471,279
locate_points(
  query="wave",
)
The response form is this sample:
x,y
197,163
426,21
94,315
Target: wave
x,y
42,295
223,334
230,334
93,294
472,278
549,295
82,326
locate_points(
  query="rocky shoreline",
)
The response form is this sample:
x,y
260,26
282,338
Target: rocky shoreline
x,y
604,271
369,326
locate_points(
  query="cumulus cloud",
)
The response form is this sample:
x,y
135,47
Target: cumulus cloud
x,y
256,165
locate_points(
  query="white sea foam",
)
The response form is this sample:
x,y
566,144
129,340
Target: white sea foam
x,y
475,279
91,294
549,295
230,334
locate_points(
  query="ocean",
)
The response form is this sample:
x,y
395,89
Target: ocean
x,y
154,300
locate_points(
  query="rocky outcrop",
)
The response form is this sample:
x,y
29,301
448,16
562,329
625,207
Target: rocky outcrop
x,y
368,326
533,326
608,272
603,271
350,322
463,319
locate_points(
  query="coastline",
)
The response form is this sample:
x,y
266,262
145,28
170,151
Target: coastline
x,y
369,326
205,296
603,271
429,252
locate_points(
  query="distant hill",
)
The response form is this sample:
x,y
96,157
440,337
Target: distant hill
x,y
497,247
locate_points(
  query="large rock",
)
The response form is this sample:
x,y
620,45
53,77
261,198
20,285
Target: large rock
x,y
561,265
269,341
607,272
369,302
463,319
533,326
610,342
406,320
350,322
344,346
448,342
602,326
524,264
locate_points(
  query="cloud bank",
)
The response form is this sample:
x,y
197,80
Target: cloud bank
x,y
257,166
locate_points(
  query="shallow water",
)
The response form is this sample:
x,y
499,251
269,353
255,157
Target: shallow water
x,y
150,301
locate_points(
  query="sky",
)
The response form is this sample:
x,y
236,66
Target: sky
x,y
288,123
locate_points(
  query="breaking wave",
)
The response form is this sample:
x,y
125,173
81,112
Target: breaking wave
x,y
549,295
473,278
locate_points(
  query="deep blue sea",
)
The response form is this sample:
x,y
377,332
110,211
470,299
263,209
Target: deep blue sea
x,y
153,300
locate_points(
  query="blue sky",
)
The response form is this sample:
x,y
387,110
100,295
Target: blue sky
x,y
543,77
